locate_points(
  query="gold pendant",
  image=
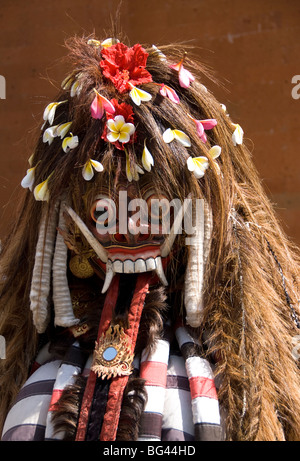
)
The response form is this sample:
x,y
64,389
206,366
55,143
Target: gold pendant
x,y
80,267
112,354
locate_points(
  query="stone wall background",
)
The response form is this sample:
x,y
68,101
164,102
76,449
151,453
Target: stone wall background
x,y
252,45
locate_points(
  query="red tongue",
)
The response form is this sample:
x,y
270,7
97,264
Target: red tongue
x,y
118,384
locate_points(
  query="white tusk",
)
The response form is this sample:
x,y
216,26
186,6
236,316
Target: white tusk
x,y
109,276
64,314
41,276
97,247
160,271
168,243
194,275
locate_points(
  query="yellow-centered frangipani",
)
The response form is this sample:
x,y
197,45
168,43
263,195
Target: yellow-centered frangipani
x,y
70,142
237,135
119,130
105,44
137,95
147,159
28,180
198,165
55,131
89,167
49,112
41,191
169,135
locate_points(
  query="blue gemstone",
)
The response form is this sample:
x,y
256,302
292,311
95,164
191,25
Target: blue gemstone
x,y
110,353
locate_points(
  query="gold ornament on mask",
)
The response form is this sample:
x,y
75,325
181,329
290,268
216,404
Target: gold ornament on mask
x,y
81,267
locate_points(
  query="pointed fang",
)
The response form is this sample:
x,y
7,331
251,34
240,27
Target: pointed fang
x,y
109,276
160,272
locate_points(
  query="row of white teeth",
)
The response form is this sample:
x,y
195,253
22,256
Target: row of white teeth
x,y
133,267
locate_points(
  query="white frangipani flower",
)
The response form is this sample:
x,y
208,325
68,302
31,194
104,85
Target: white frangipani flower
x,y
119,130
169,136
147,159
49,112
237,135
70,142
89,167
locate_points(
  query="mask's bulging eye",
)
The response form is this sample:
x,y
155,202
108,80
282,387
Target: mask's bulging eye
x,y
103,213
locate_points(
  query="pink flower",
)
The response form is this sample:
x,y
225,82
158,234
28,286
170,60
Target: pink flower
x,y
99,105
169,93
185,77
204,125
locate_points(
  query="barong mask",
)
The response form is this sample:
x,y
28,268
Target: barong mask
x,y
130,127
129,158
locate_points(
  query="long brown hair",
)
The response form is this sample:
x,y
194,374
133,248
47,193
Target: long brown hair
x,y
251,280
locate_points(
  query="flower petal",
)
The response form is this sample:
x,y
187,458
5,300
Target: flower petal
x,y
198,166
47,110
49,134
201,162
168,136
41,192
119,122
28,180
128,128
172,95
94,42
147,159
75,88
200,128
143,95
67,82
97,109
209,123
109,42
215,151
111,125
124,137
135,97
113,136
70,143
87,171
190,164
99,104
97,165
63,129
128,170
237,135
182,138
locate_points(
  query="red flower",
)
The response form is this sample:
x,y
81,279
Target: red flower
x,y
123,65
120,109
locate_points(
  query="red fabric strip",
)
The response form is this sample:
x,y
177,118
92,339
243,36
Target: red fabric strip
x,y
109,305
155,373
56,394
202,387
118,384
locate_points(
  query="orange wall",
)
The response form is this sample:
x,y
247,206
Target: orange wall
x,y
253,46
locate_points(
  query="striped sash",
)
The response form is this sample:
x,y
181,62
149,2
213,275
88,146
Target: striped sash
x,y
153,369
205,405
